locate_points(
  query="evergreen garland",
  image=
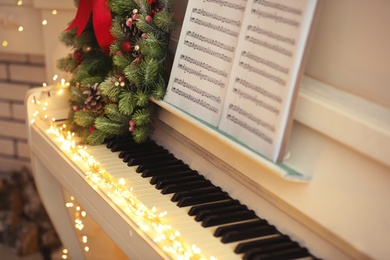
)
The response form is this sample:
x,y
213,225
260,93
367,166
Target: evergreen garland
x,y
122,82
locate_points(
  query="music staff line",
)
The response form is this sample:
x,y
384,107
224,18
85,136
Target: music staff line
x,y
195,100
265,62
216,17
277,37
279,6
218,28
197,90
210,41
262,73
252,117
203,65
258,90
249,128
268,45
228,4
256,101
275,18
201,75
208,51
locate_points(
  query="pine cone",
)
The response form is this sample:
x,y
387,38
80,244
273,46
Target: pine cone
x,y
94,100
129,27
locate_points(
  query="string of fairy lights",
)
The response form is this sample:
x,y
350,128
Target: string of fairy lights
x,y
148,219
78,217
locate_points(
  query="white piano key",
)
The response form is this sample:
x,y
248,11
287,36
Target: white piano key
x,y
191,231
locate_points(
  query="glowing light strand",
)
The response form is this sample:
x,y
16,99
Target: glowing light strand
x,y
148,219
79,215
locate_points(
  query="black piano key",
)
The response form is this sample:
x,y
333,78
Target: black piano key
x,y
280,254
202,198
122,154
209,212
136,148
190,188
146,159
271,248
228,218
263,243
238,235
156,165
215,205
220,231
184,180
178,195
172,175
172,188
131,145
144,152
164,169
128,155
112,142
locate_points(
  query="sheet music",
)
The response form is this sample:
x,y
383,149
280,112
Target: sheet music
x,y
257,110
204,57
237,67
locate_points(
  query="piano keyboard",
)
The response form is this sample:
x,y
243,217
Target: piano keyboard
x,y
203,213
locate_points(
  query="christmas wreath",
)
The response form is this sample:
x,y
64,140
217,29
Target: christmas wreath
x,y
116,73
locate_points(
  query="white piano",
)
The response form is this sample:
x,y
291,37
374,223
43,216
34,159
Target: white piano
x,y
330,195
336,206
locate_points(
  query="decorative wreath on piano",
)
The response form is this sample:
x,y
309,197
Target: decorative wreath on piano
x,y
120,53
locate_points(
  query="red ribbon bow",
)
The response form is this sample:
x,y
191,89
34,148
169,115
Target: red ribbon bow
x,y
102,21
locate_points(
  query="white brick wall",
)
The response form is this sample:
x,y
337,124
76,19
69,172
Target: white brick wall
x,y
18,73
5,110
7,147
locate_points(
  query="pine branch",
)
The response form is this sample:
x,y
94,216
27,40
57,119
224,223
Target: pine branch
x,y
143,5
164,21
97,137
97,63
159,89
76,95
142,98
132,73
68,37
148,27
122,60
109,89
113,113
91,80
84,118
110,127
126,103
112,110
67,63
122,7
116,30
149,70
153,47
141,133
142,116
